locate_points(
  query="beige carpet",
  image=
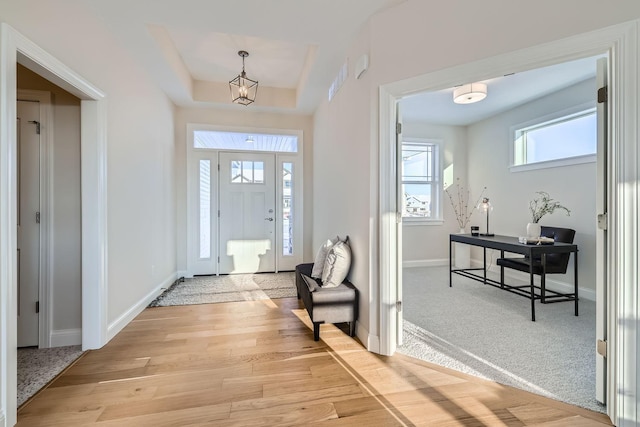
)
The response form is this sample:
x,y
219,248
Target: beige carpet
x,y
228,288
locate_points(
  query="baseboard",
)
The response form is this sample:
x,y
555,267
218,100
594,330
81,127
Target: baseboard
x,y
554,285
65,337
137,308
184,273
372,342
426,263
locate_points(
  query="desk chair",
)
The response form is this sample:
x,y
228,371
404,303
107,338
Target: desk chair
x,y
556,263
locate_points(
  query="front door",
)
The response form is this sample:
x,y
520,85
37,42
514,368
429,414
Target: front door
x,y
247,212
28,176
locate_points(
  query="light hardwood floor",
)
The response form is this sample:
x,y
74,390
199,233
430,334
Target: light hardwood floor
x,y
256,364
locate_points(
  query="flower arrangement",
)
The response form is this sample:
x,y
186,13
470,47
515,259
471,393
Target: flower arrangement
x,y
542,205
460,202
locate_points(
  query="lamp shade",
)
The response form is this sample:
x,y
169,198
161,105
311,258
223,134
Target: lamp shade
x,y
470,93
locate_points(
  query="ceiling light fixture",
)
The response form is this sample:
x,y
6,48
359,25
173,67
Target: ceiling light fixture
x,y
243,89
470,93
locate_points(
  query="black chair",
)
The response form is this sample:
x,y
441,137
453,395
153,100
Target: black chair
x,y
556,263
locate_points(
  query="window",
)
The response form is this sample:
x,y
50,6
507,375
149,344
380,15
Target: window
x,y
247,172
287,209
570,136
420,180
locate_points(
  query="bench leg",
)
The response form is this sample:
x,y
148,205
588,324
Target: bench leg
x,y
316,330
352,328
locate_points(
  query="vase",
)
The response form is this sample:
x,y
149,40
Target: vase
x,y
462,253
533,229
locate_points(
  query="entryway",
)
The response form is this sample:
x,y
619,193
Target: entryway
x,y
244,201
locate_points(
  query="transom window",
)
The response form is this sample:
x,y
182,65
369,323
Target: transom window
x,y
421,180
566,137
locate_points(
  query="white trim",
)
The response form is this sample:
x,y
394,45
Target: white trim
x,y
567,161
621,43
413,222
426,263
45,317
65,337
137,308
372,341
14,47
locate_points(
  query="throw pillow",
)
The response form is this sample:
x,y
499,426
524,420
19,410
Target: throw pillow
x,y
336,266
321,256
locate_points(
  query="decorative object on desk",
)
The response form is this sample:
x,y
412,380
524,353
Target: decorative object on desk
x,y
486,207
475,230
462,253
539,207
460,203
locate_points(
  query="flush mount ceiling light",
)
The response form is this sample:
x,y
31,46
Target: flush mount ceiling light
x,y
470,93
243,89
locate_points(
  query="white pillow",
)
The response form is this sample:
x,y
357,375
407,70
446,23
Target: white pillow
x,y
336,266
321,256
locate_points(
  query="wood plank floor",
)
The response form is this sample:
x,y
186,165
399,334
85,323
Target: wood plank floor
x,y
256,364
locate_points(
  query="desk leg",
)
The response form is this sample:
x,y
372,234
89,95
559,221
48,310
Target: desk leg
x,y
575,279
543,276
502,271
532,296
485,264
450,263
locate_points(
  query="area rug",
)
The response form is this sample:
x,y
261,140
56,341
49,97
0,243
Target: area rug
x,y
228,288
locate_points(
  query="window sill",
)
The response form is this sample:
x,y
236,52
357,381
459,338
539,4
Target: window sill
x,y
578,160
419,221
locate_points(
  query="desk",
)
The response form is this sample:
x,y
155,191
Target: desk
x,y
511,244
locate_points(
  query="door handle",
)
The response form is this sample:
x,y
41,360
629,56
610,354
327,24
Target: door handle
x,y
268,219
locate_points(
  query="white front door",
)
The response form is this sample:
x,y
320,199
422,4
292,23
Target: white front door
x,y
28,176
247,210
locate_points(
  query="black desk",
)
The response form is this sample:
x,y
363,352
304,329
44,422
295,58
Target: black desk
x,y
511,244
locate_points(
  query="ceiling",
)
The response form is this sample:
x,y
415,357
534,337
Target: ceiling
x,y
190,48
503,93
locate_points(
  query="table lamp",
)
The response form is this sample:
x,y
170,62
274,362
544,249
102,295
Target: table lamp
x,y
485,207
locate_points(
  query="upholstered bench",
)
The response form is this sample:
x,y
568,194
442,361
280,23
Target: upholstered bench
x,y
327,305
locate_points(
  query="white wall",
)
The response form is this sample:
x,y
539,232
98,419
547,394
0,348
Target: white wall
x,y
510,192
140,149
416,38
66,304
239,117
425,244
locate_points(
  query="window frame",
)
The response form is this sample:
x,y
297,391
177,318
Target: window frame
x,y
436,182
555,117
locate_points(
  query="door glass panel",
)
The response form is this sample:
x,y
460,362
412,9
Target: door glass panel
x,y
287,208
247,172
205,209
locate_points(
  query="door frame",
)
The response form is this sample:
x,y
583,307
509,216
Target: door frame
x,y
621,44
193,154
46,207
16,48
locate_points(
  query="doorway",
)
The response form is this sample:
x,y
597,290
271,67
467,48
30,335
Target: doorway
x,y
244,201
620,277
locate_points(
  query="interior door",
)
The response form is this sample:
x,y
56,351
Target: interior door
x,y
247,213
601,233
400,208
28,177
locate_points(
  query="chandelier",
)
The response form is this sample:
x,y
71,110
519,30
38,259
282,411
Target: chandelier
x,y
243,89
